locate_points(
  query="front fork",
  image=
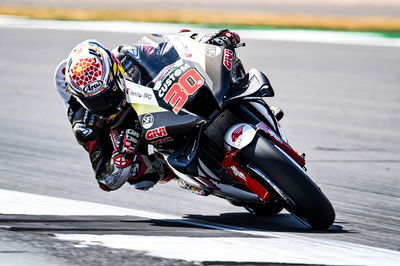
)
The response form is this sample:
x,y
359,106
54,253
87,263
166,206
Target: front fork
x,y
231,164
239,136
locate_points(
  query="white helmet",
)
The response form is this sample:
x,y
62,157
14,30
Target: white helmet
x,y
95,78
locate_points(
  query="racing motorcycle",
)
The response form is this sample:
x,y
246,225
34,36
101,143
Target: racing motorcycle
x,y
217,133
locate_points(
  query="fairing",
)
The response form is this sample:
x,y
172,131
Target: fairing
x,y
182,71
239,135
191,83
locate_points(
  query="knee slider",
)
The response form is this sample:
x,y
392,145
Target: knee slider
x,y
115,174
104,187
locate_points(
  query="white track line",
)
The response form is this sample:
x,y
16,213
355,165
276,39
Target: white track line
x,y
329,37
254,246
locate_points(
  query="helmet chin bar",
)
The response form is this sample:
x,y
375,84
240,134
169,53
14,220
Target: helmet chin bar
x,y
118,109
120,117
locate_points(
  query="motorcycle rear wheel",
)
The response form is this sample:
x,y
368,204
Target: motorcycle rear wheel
x,y
289,183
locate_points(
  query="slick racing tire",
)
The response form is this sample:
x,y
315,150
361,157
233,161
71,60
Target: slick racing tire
x,y
288,182
270,208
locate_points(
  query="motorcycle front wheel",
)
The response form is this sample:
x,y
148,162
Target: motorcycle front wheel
x,y
288,182
269,208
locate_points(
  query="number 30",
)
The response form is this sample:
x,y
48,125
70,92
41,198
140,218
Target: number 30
x,y
187,85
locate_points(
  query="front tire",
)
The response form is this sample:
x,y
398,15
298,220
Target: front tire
x,y
295,190
270,208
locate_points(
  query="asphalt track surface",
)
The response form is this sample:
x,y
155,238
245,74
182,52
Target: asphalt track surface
x,y
341,109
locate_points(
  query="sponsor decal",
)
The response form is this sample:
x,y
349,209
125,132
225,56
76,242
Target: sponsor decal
x,y
188,84
121,162
93,88
174,74
213,51
156,133
228,59
178,83
166,72
237,133
147,121
136,93
238,173
144,95
114,177
160,141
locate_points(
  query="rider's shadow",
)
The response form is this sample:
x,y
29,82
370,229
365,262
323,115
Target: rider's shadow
x,y
282,222
189,225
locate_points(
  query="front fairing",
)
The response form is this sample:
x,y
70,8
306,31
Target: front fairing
x,y
187,76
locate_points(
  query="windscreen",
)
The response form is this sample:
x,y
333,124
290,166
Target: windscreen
x,y
176,64
155,53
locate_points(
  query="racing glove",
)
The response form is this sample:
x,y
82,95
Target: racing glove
x,y
225,38
128,141
125,142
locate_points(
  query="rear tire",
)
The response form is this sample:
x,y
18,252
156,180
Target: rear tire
x,y
295,190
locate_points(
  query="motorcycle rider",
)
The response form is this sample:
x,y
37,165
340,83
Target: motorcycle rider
x,y
91,83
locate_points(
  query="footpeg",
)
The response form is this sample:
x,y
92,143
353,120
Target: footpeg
x,y
193,189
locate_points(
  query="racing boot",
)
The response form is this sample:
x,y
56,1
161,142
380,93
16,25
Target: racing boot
x,y
145,173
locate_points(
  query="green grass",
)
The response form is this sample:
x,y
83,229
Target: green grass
x,y
390,27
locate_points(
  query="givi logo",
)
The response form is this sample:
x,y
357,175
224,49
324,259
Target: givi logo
x,y
156,133
228,59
